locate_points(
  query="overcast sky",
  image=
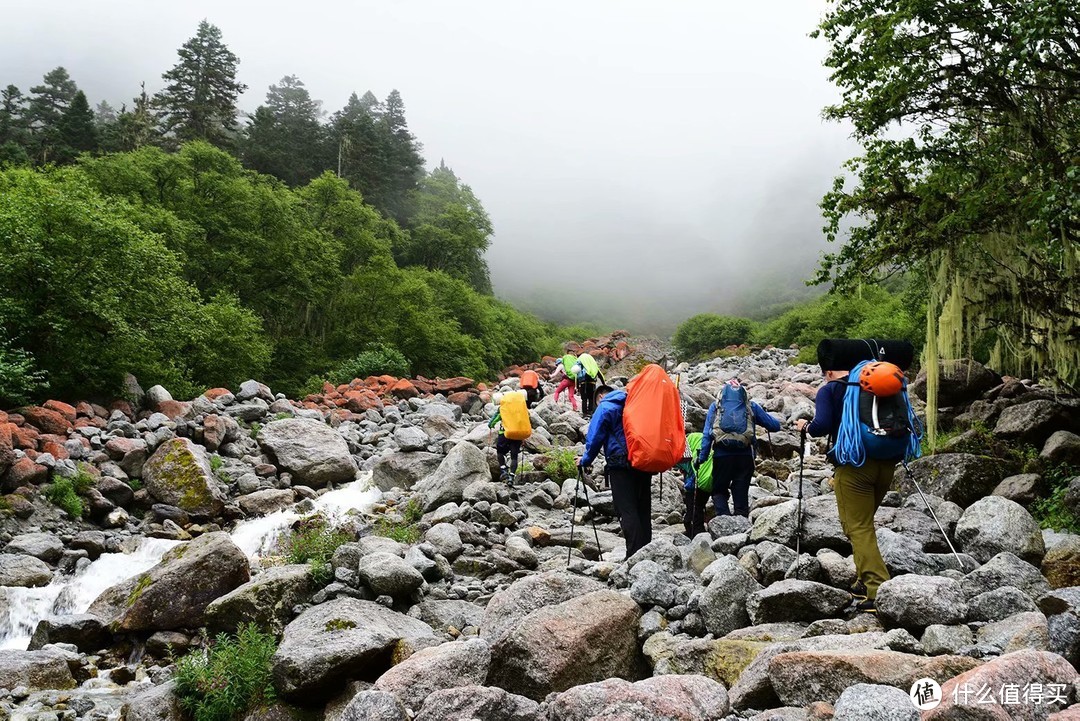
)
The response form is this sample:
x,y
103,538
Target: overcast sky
x,y
641,161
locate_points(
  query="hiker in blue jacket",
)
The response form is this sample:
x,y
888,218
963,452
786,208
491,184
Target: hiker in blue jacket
x,y
729,432
630,488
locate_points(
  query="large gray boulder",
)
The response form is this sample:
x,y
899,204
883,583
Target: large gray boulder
x,y
446,539
450,665
1062,609
44,546
374,706
444,614
821,525
1022,488
178,474
23,571
1021,669
312,451
266,501
654,699
959,382
874,702
336,641
404,470
156,703
411,438
386,573
995,524
962,478
85,632
1062,447
479,703
915,602
1035,421
464,464
585,639
267,600
1025,630
509,606
174,594
794,600
1004,569
723,602
35,670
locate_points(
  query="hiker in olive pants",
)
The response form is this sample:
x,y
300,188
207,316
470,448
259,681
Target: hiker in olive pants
x,y
859,492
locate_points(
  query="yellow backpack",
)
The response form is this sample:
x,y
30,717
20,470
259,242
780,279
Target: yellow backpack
x,y
515,416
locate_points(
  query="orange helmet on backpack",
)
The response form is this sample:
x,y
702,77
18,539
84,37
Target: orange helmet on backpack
x,y
882,379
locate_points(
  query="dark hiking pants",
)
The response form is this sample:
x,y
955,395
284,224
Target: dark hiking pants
x,y
631,490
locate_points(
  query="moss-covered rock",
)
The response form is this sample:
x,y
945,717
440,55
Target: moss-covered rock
x,y
179,474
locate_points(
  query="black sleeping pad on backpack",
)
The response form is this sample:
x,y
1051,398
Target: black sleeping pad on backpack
x,y
843,354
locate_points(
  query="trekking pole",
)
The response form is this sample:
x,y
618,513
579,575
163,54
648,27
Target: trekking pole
x,y
933,515
573,518
798,522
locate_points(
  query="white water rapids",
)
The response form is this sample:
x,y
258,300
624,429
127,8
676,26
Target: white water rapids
x,y
74,594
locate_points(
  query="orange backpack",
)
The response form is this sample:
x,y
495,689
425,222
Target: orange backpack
x,y
529,379
653,421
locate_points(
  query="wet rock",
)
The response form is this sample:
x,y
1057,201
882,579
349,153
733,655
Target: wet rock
x,y
267,600
174,594
450,665
179,474
44,546
479,703
23,571
995,524
338,640
265,502
661,698
35,670
85,632
313,452
582,640
158,703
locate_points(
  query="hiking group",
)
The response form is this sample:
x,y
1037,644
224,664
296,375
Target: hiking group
x,y
862,410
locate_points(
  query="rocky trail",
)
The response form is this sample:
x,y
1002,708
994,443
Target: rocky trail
x,y
132,535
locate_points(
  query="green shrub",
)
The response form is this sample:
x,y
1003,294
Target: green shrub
x,y
377,360
313,541
1051,511
216,462
708,332
229,679
400,531
62,493
561,464
83,480
20,381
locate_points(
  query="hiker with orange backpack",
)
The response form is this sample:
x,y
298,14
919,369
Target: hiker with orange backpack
x,y
513,417
730,436
871,427
566,377
530,383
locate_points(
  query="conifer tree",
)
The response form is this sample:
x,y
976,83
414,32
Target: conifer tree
x,y
48,102
285,137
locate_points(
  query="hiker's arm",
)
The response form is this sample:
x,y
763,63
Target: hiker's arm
x,y
706,436
823,413
495,419
596,436
764,419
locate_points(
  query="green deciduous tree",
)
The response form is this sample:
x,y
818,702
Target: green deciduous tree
x,y
707,332
970,120
199,102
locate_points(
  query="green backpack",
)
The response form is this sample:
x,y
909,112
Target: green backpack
x,y
702,473
589,364
568,362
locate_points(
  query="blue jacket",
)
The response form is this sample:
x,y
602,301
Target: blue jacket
x,y
761,418
606,432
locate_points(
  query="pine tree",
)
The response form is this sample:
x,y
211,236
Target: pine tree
x,y
77,130
200,100
361,148
285,137
48,102
13,134
406,165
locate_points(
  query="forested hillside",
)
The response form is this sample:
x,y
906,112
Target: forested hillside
x,y
175,240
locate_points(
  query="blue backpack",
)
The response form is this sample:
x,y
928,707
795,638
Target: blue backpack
x,y
733,424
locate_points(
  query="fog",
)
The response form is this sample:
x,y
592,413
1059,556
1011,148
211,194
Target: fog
x,y
641,161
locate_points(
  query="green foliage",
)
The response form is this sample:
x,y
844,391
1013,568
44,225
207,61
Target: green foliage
x,y
981,193
284,137
414,510
19,379
216,462
313,540
1051,511
707,332
397,530
339,624
379,359
229,679
868,312
62,493
561,464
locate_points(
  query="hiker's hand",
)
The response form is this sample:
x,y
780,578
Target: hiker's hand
x,y
801,424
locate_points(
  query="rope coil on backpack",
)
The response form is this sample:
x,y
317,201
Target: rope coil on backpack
x,y
849,449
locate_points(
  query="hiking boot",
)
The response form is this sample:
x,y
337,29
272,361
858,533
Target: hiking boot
x,y
867,606
858,591
503,474
510,479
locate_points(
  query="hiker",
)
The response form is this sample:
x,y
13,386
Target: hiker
x,y
697,487
506,446
586,376
565,375
530,383
630,488
860,488
730,436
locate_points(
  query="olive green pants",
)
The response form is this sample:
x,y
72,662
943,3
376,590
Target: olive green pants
x,y
859,492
